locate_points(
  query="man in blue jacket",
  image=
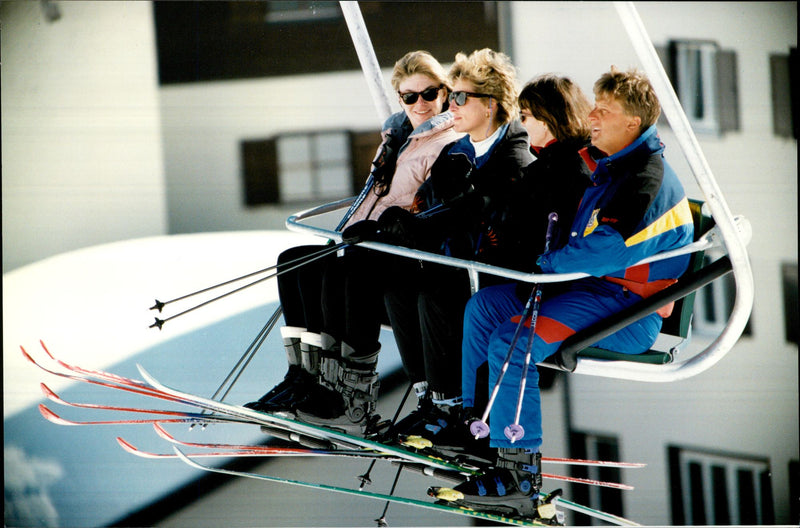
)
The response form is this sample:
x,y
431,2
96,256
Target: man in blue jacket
x,y
634,208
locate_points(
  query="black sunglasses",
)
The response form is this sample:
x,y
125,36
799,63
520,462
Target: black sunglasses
x,y
428,94
460,98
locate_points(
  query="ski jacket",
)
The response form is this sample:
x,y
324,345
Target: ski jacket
x,y
553,183
465,196
414,154
635,208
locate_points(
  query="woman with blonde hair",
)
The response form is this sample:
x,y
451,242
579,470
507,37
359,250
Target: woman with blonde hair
x,y
458,209
333,307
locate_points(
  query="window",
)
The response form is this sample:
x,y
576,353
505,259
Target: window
x,y
783,76
704,78
306,167
794,492
710,487
314,166
595,447
713,305
790,302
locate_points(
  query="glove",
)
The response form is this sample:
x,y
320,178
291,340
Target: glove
x,y
364,230
398,226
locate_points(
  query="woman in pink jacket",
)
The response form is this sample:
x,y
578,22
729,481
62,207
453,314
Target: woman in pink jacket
x,y
333,307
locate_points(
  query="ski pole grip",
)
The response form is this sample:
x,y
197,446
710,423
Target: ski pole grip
x,y
552,218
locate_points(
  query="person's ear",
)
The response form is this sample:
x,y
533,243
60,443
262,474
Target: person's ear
x,y
634,123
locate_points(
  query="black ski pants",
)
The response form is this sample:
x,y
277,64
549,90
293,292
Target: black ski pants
x,y
425,304
339,295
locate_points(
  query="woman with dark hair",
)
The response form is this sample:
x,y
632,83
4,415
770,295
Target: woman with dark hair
x,y
634,208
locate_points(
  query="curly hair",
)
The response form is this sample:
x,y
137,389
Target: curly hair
x,y
422,62
632,89
560,104
492,73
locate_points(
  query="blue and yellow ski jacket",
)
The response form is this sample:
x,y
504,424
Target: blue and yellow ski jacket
x,y
636,207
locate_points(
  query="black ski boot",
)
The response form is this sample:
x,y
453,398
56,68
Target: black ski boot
x,y
346,395
276,398
439,425
510,488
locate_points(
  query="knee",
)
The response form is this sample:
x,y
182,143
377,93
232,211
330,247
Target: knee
x,y
296,252
476,309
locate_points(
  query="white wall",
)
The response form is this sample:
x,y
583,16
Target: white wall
x,y
82,159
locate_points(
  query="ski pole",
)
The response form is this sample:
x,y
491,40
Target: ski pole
x,y
515,431
159,305
294,264
480,428
245,359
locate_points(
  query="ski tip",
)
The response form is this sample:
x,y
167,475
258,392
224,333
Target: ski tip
x,y
133,450
160,431
186,459
49,394
127,446
41,342
146,375
26,355
50,416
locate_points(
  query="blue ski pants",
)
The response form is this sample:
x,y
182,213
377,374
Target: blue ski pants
x,y
489,331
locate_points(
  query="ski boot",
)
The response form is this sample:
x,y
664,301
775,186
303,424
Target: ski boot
x,y
510,488
346,394
439,425
295,378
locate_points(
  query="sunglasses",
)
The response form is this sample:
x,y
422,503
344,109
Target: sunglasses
x,y
460,98
428,94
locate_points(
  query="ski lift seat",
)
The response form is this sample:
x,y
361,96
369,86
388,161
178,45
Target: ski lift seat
x,y
677,327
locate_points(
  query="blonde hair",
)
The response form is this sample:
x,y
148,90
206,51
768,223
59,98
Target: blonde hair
x,y
421,62
633,91
560,104
492,73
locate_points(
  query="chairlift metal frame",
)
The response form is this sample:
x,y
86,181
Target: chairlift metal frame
x,y
732,233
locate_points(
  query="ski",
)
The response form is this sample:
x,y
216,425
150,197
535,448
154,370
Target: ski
x,y
188,418
106,376
597,514
233,451
602,463
263,451
231,413
361,493
115,381
52,396
343,439
163,433
112,385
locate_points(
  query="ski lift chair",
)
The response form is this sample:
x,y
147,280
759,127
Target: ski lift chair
x,y
676,327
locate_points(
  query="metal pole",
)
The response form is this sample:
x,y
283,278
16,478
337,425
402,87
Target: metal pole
x,y
367,58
